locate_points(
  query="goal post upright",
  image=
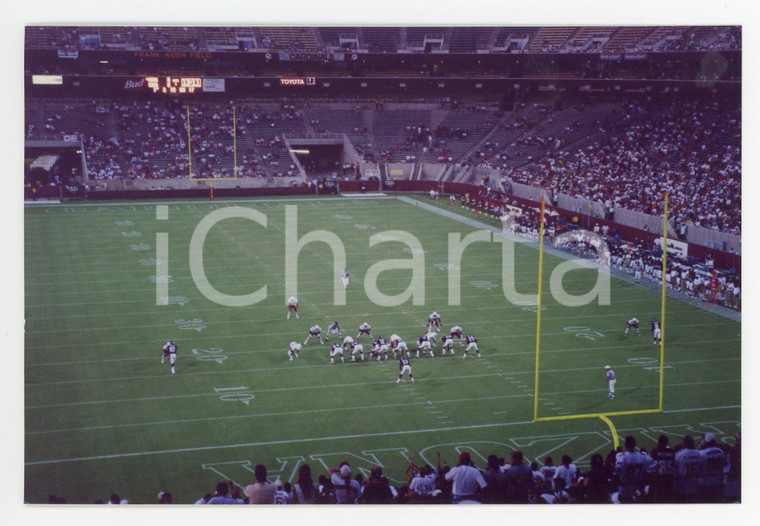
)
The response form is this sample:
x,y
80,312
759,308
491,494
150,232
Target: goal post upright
x,y
664,292
189,146
538,304
603,415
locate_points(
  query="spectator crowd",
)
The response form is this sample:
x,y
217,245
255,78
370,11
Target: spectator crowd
x,y
695,470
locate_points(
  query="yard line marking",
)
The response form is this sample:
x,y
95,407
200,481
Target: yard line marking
x,y
425,403
200,201
287,368
297,441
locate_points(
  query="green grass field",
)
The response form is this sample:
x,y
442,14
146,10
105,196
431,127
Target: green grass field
x,y
103,415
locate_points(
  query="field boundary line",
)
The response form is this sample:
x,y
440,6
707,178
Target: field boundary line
x,y
672,294
313,439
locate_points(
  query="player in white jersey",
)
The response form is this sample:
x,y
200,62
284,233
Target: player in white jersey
x,y
394,339
656,332
404,366
364,328
688,469
638,266
292,306
472,345
633,323
333,329
335,350
431,337
316,332
434,321
631,467
344,277
456,332
356,348
170,351
610,381
423,345
400,347
447,342
293,350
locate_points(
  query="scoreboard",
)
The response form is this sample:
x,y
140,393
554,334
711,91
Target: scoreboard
x,y
169,84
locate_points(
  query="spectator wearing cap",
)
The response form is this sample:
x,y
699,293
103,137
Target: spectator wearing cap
x,y
377,488
284,493
347,490
262,491
467,481
710,481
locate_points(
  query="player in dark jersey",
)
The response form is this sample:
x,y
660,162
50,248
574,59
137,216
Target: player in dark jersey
x,y
447,342
661,481
404,366
472,345
170,351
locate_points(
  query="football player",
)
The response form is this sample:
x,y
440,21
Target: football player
x,y
381,347
431,337
434,321
315,331
610,381
656,332
333,329
447,342
404,366
456,331
423,345
356,348
293,350
364,328
472,345
170,351
633,323
336,349
344,276
292,306
400,347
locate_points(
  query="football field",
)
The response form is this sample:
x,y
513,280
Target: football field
x,y
106,286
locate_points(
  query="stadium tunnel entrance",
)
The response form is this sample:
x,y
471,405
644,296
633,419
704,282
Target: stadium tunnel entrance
x,y
325,157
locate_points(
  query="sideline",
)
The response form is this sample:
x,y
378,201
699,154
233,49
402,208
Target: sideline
x,y
618,274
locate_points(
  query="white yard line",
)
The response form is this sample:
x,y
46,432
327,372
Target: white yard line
x,y
316,439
